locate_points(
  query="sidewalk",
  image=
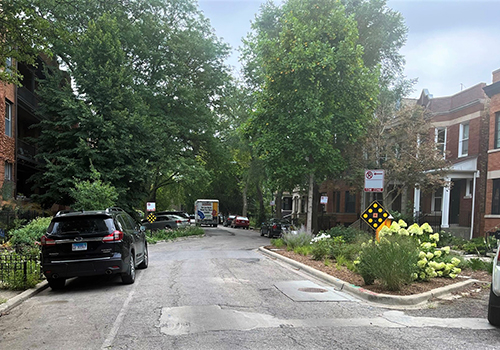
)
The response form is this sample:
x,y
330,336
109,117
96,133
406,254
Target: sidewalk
x,y
384,299
15,298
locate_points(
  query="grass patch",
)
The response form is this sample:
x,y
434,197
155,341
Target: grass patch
x,y
166,235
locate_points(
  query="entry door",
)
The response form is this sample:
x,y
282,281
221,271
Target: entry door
x,y
455,201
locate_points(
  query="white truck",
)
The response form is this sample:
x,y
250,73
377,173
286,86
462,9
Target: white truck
x,y
206,212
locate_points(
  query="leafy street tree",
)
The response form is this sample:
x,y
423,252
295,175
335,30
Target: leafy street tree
x,y
316,95
401,144
146,79
23,35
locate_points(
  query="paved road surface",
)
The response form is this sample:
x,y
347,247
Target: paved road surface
x,y
218,292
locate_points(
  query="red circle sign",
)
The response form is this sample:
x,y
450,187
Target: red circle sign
x,y
369,174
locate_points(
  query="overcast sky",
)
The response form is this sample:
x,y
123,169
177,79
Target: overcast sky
x,y
452,44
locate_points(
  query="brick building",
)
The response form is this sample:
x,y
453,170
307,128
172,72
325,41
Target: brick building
x,y
492,196
17,150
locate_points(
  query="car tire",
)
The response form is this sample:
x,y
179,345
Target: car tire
x,y
129,276
494,309
57,283
145,262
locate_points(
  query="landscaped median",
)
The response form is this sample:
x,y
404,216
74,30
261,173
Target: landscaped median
x,y
408,266
366,294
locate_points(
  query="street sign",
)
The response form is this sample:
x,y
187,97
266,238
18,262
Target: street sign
x,y
374,181
324,200
375,215
150,206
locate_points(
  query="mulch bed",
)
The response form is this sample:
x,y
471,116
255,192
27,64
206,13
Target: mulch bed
x,y
348,276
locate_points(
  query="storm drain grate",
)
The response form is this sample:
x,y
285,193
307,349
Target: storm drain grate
x,y
313,290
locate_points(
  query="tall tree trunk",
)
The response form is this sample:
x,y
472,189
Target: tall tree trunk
x,y
245,201
279,204
310,204
262,211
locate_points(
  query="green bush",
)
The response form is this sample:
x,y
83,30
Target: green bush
x,y
320,249
277,242
169,234
349,234
296,239
24,239
304,250
478,265
392,261
93,194
13,271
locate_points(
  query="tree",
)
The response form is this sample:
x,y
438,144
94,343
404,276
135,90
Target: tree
x,y
401,144
23,36
93,194
147,78
317,92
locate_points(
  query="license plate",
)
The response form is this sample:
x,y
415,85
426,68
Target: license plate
x,y
79,246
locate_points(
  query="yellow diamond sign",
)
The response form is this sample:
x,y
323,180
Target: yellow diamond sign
x,y
375,215
151,218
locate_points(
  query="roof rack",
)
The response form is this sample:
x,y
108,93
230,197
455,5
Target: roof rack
x,y
111,209
61,212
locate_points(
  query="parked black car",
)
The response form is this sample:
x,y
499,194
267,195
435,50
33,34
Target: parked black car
x,y
87,243
274,227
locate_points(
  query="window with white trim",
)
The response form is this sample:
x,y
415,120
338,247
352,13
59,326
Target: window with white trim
x,y
463,141
468,188
8,118
437,200
440,138
8,171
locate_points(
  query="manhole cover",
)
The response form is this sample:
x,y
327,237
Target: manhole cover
x,y
313,290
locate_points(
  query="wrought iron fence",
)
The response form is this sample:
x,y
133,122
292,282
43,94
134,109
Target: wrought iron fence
x,y
19,271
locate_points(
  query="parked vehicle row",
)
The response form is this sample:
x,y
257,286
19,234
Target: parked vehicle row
x,y
165,222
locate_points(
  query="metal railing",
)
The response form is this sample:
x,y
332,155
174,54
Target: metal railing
x,y
19,271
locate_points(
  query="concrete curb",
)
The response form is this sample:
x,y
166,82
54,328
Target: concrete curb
x,y
18,299
368,295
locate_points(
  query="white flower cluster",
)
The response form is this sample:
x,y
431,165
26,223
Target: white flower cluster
x,y
320,237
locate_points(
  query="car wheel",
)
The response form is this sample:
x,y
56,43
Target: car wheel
x,y
261,232
129,276
494,309
57,283
145,262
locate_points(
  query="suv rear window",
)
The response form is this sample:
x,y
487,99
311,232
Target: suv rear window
x,y
81,224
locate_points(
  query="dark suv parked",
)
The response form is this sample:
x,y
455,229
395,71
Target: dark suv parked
x,y
87,243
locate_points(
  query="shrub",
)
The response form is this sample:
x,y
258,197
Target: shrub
x,y
19,272
304,250
93,194
349,234
320,249
24,239
296,239
392,261
277,242
165,235
478,264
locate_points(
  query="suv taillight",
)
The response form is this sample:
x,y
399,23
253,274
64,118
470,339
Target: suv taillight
x,y
47,241
275,227
116,236
178,221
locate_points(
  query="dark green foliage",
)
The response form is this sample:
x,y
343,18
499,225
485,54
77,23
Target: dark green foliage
x,y
349,234
24,238
165,235
393,261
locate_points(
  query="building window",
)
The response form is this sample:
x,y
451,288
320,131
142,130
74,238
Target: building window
x,y
8,118
495,202
497,130
440,138
350,202
8,64
287,203
303,203
468,188
8,171
463,145
437,200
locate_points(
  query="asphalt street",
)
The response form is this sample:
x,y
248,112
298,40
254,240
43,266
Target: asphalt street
x,y
219,292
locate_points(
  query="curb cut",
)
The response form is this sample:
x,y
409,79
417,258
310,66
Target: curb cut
x,y
18,299
368,295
